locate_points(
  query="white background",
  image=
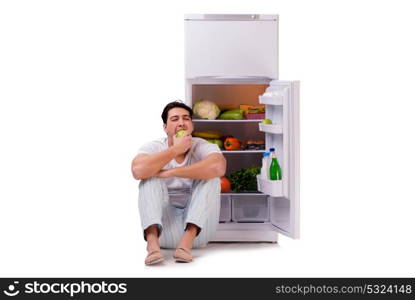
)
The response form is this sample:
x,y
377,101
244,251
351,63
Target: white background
x,y
82,86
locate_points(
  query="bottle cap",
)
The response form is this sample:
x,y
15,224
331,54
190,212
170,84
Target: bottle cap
x,y
265,154
272,150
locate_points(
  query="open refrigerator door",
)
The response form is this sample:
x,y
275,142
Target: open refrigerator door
x,y
282,106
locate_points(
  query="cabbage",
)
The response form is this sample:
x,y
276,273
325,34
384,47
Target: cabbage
x,y
206,109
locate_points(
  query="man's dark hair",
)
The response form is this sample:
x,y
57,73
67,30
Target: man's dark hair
x,y
173,105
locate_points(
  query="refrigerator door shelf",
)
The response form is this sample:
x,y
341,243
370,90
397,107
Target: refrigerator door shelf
x,y
275,129
273,99
270,187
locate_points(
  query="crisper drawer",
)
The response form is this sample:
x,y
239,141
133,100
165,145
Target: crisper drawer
x,y
250,208
225,208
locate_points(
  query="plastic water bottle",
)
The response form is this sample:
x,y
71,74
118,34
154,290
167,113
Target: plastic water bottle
x,y
274,168
265,166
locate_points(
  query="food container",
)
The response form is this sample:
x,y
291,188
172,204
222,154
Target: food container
x,y
253,145
255,116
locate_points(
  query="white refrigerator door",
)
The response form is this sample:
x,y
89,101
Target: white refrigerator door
x,y
231,45
282,107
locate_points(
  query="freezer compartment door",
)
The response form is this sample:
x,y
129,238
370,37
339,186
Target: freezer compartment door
x,y
281,101
231,45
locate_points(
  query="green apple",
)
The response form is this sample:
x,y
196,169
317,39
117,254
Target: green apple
x,y
266,121
180,133
216,141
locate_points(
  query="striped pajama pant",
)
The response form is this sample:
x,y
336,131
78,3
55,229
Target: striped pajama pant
x,y
202,209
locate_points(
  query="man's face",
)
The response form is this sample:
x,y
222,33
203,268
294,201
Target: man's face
x,y
178,118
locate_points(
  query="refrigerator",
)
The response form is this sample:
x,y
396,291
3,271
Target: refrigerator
x,y
232,60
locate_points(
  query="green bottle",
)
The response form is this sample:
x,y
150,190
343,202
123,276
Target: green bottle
x,y
274,169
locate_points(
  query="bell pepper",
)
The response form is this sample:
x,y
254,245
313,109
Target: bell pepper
x,y
232,144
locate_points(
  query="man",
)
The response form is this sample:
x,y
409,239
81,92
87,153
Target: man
x,y
178,163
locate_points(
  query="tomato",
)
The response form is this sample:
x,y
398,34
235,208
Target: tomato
x,y
225,185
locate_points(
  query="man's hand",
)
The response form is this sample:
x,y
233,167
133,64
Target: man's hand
x,y
183,143
163,174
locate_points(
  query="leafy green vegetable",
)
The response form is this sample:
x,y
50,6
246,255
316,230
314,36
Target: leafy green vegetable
x,y
245,179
